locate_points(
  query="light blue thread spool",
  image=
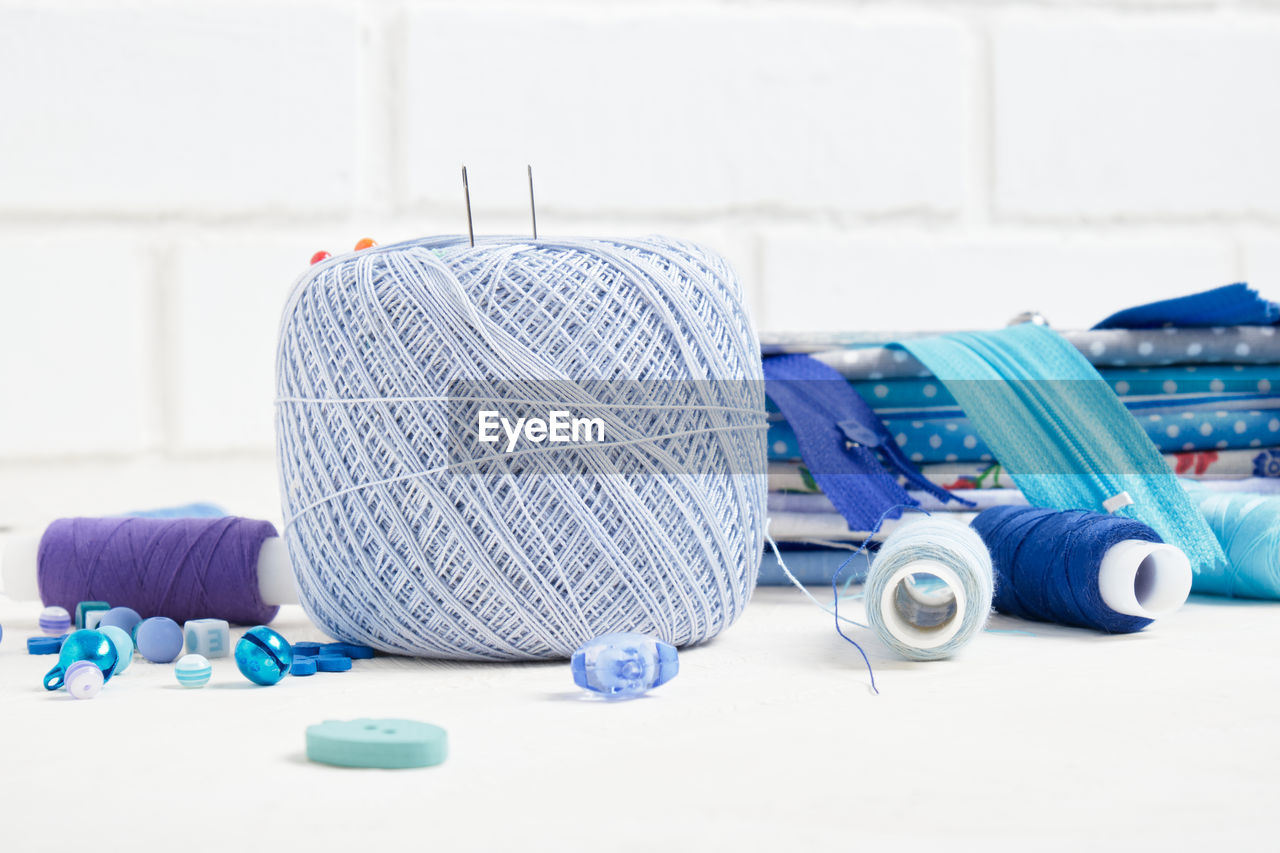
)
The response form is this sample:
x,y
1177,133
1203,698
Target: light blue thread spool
x,y
1248,527
929,588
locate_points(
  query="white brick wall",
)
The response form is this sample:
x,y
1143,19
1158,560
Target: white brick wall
x,y
166,169
151,109
717,109
1133,117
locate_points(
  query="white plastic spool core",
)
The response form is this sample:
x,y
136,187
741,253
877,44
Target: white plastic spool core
x,y
19,570
276,583
923,619
1146,579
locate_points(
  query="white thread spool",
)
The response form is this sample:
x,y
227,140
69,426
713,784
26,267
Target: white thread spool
x,y
20,572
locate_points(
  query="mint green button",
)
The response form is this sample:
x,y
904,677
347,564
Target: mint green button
x,y
388,744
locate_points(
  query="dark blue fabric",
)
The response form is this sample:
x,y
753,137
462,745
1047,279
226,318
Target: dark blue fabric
x,y
826,414
1047,562
1231,305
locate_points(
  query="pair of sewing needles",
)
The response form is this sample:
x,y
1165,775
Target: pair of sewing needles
x,y
533,211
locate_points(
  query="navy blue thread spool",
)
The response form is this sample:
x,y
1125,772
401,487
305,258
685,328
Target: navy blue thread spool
x,y
1079,568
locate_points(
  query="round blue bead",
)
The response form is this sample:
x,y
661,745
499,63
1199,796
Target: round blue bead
x,y
159,639
124,646
124,618
263,656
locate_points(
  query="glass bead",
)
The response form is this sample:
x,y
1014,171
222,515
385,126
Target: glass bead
x,y
85,645
263,656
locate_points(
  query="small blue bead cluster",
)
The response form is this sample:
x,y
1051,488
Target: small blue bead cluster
x,y
112,634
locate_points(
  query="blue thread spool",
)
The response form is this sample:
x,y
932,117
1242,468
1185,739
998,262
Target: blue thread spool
x,y
84,680
263,656
193,671
84,645
55,621
625,665
124,646
1087,569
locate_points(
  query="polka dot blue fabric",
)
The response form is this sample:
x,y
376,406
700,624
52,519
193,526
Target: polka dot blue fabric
x,y
931,439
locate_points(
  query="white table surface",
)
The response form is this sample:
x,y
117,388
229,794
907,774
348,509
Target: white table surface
x,y
769,739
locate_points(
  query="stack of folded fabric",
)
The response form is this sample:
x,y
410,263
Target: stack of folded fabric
x,y
1201,374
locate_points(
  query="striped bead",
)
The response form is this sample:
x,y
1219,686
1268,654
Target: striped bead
x,y
193,671
55,621
83,679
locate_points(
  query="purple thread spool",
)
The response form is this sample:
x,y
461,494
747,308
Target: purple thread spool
x,y
184,568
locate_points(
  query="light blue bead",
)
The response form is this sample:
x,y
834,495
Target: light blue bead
x,y
624,665
208,637
159,639
263,656
124,646
193,671
55,621
92,646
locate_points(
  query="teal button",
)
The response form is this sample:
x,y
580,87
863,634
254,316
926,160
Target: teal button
x,y
389,744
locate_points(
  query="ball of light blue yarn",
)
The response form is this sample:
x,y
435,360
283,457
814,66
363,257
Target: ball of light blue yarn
x,y
1248,527
398,546
923,602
